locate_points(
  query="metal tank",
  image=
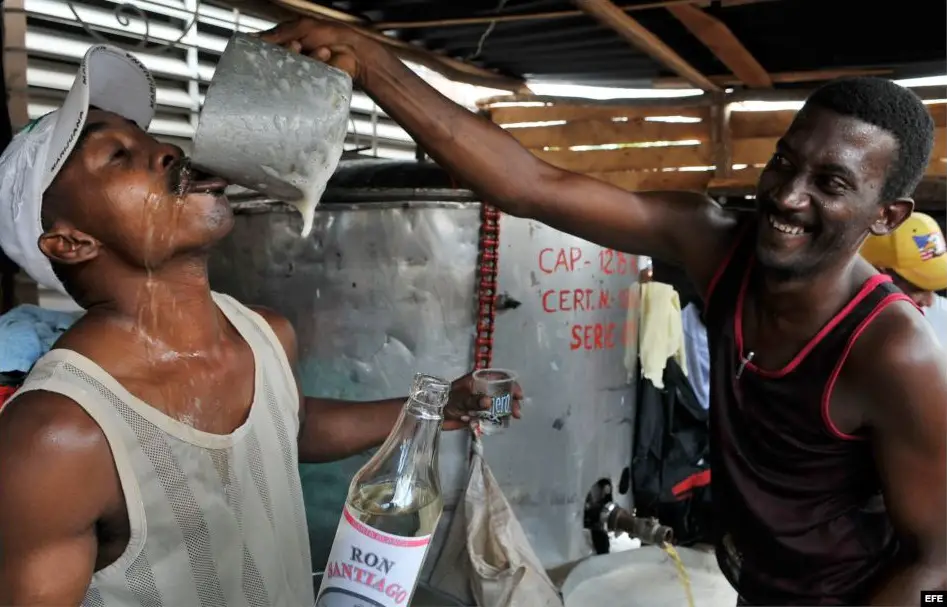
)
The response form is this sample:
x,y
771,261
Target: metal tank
x,y
386,285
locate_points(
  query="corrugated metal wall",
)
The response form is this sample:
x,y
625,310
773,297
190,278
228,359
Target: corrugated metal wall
x,y
180,41
181,51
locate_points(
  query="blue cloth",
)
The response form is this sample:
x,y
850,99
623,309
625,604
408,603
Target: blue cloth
x,y
28,332
698,354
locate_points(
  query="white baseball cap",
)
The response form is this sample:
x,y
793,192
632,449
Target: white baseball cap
x,y
109,79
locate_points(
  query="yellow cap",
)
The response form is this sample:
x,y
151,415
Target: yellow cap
x,y
915,251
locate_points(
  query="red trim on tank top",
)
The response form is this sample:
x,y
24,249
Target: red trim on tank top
x,y
863,292
723,264
830,385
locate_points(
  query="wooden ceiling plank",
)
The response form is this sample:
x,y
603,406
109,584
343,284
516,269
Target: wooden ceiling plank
x,y
449,67
608,132
643,181
543,16
632,158
759,150
716,36
504,115
612,17
729,80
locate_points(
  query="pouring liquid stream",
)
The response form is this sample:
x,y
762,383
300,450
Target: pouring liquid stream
x,y
681,571
311,179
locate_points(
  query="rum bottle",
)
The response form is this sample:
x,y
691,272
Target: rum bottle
x,y
391,511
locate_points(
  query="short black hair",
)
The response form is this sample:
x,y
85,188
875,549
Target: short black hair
x,y
891,107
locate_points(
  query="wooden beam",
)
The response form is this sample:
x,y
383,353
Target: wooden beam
x,y
928,93
449,67
716,36
614,18
695,101
14,62
608,132
778,77
938,113
758,150
518,114
510,109
544,16
721,138
750,125
632,158
642,181
747,125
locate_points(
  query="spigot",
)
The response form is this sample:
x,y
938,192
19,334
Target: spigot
x,y
603,515
648,530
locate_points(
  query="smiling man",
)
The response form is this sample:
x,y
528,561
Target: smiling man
x,y
151,457
828,393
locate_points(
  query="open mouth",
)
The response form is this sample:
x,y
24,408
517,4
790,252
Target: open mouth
x,y
193,181
785,227
201,183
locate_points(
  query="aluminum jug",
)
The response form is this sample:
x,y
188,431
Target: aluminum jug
x,y
274,121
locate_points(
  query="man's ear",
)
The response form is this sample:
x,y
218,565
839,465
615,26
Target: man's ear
x,y
892,215
67,245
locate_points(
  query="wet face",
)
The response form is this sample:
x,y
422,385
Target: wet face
x,y
820,194
125,194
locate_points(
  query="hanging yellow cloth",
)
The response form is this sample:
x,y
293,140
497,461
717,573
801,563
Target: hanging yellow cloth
x,y
662,333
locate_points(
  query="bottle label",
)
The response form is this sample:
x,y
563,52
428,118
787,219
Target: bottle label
x,y
370,568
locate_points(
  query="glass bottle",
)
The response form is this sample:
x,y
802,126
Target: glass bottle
x,y
392,509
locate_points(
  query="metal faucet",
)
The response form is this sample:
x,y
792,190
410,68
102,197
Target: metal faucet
x,y
649,530
602,515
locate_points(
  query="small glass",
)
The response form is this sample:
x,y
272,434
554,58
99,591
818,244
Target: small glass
x,y
497,385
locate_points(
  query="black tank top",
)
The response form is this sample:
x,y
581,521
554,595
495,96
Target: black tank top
x,y
799,507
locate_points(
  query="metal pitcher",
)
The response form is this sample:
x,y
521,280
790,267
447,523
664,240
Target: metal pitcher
x,y
273,121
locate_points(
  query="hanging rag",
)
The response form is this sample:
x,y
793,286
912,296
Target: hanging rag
x,y
487,548
662,334
27,332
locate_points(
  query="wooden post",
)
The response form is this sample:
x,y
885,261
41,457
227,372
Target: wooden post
x,y
14,61
720,137
14,74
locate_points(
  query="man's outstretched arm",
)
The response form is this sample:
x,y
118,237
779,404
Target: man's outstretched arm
x,y
331,429
56,479
678,227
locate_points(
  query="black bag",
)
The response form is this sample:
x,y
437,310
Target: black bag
x,y
670,467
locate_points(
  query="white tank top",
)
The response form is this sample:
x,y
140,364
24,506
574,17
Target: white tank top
x,y
216,520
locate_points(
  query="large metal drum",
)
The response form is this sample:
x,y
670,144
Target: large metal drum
x,y
386,285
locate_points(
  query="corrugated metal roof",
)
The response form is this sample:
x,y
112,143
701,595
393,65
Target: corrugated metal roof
x,y
783,35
